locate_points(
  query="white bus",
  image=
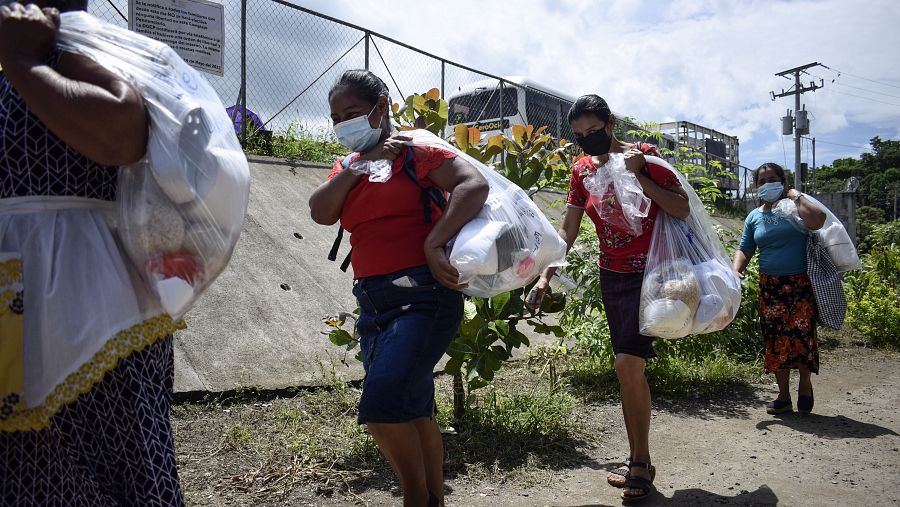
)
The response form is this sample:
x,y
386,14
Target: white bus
x,y
524,102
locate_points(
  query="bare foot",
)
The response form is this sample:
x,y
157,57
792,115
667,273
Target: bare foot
x,y
617,477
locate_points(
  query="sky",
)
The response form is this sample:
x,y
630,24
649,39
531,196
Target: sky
x,y
709,62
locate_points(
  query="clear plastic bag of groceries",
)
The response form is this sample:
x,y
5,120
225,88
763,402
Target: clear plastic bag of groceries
x,y
180,209
509,243
617,195
689,286
833,236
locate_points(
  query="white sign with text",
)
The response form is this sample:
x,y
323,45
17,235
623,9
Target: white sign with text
x,y
193,28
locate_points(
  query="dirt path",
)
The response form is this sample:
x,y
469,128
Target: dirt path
x,y
709,452
847,453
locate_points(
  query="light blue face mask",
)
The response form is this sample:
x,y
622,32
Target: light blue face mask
x,y
357,134
770,192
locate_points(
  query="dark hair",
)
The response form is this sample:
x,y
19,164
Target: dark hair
x,y
779,171
361,83
68,5
589,104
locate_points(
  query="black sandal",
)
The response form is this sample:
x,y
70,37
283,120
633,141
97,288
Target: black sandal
x,y
622,471
638,482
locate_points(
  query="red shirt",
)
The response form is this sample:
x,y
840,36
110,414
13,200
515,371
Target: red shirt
x,y
620,251
386,221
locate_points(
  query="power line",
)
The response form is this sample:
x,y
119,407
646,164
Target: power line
x,y
868,91
860,77
867,98
837,82
844,145
801,124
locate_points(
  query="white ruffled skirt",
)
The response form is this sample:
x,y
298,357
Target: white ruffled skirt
x,y
81,305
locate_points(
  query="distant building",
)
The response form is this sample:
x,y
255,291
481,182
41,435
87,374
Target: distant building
x,y
715,144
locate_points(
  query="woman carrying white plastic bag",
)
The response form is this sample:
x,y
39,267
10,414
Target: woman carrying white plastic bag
x,y
623,256
787,303
407,290
182,207
832,235
86,359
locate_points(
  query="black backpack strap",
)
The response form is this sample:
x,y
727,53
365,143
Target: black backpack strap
x,y
428,194
332,255
346,263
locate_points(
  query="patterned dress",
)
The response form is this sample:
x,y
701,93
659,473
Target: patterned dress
x,y
787,304
86,359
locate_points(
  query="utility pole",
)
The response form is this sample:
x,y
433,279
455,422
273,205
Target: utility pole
x,y
814,163
801,124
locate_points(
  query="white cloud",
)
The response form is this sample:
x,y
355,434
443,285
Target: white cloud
x,y
706,61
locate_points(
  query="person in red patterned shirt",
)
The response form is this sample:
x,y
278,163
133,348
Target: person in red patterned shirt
x,y
408,292
622,259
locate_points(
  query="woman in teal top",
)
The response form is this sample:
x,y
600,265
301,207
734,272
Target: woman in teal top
x,y
787,306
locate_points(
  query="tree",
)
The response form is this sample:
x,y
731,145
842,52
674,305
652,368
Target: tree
x,y
878,174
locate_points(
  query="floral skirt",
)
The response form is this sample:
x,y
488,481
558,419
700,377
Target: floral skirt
x,y
787,308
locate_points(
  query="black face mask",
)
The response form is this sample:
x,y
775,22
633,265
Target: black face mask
x,y
596,143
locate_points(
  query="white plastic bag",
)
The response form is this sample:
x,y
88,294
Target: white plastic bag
x,y
379,171
689,286
180,208
509,243
618,196
832,235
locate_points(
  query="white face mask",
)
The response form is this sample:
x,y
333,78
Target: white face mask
x,y
357,134
770,192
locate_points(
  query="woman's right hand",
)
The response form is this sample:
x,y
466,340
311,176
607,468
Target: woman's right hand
x,y
536,295
26,33
390,149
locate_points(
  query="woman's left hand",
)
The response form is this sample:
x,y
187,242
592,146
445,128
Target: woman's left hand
x,y
634,160
441,269
27,34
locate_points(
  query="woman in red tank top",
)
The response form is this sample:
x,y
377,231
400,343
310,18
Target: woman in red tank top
x,y
408,293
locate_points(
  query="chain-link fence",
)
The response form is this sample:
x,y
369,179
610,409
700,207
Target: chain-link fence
x,y
280,60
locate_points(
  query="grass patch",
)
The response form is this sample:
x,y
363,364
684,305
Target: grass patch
x,y
678,377
516,429
295,143
594,380
237,436
321,432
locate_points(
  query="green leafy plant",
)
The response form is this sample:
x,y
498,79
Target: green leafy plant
x,y
342,337
885,235
534,161
873,296
422,111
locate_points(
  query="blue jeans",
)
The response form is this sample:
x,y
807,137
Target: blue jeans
x,y
404,332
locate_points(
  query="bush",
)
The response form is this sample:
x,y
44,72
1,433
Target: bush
x,y
867,219
873,296
884,235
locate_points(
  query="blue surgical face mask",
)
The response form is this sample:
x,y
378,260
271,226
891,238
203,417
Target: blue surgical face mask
x,y
357,134
770,192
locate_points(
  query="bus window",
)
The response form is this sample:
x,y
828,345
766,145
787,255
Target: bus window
x,y
541,110
482,105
